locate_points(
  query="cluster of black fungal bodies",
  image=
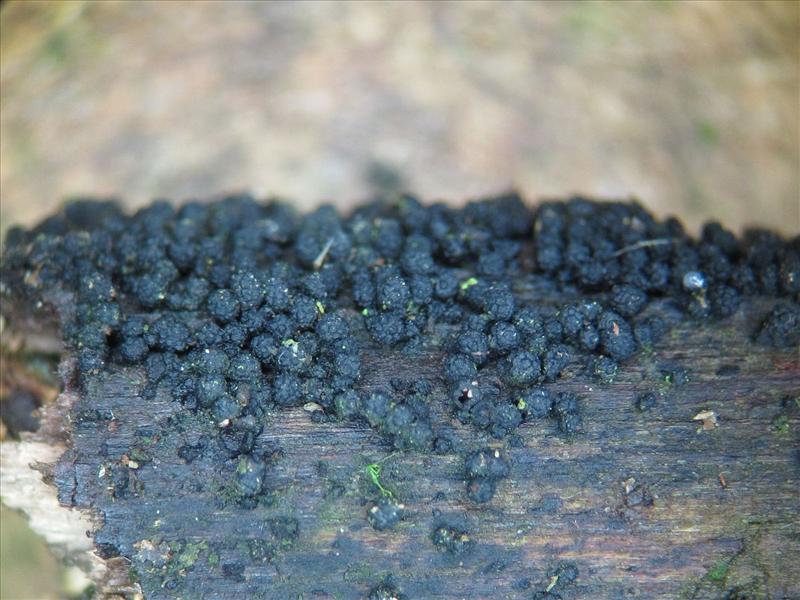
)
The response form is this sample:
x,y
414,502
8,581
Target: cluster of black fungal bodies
x,y
235,307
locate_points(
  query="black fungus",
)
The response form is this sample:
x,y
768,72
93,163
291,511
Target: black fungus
x,y
332,327
386,328
616,336
232,306
276,294
675,375
499,304
504,337
419,436
649,331
238,438
473,344
209,387
223,305
483,469
523,368
287,390
564,575
280,326
458,367
589,338
481,489
781,326
504,419
385,514
225,408
376,407
392,293
233,571
446,284
554,361
212,360
250,474
168,333
566,410
452,540
244,367
646,401
247,288
304,311
133,349
723,301
603,369
487,462
628,300
535,403
386,591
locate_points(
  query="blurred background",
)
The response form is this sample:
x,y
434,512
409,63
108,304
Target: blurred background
x,y
692,107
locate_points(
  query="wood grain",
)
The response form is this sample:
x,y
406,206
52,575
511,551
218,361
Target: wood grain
x,y
724,513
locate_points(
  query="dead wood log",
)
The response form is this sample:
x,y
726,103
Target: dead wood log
x,y
696,498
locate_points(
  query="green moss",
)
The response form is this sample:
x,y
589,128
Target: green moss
x,y
229,492
139,455
718,572
336,507
780,425
359,573
190,553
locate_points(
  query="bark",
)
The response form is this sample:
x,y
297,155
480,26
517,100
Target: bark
x,y
693,499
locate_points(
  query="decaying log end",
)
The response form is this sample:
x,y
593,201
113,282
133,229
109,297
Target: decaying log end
x,y
675,476
28,462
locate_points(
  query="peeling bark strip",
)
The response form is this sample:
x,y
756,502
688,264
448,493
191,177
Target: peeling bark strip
x,y
691,494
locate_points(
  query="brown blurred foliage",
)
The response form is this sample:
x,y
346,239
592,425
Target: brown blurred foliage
x,y
690,106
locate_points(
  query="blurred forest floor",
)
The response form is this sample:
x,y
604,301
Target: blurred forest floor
x,y
28,571
690,106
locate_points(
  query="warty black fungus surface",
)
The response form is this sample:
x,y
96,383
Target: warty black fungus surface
x,y
239,309
386,591
646,401
781,327
452,540
385,514
483,469
225,295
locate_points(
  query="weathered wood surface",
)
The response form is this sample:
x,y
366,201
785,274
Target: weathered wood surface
x,y
725,513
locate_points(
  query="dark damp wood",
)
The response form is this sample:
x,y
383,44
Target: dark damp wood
x,y
645,504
